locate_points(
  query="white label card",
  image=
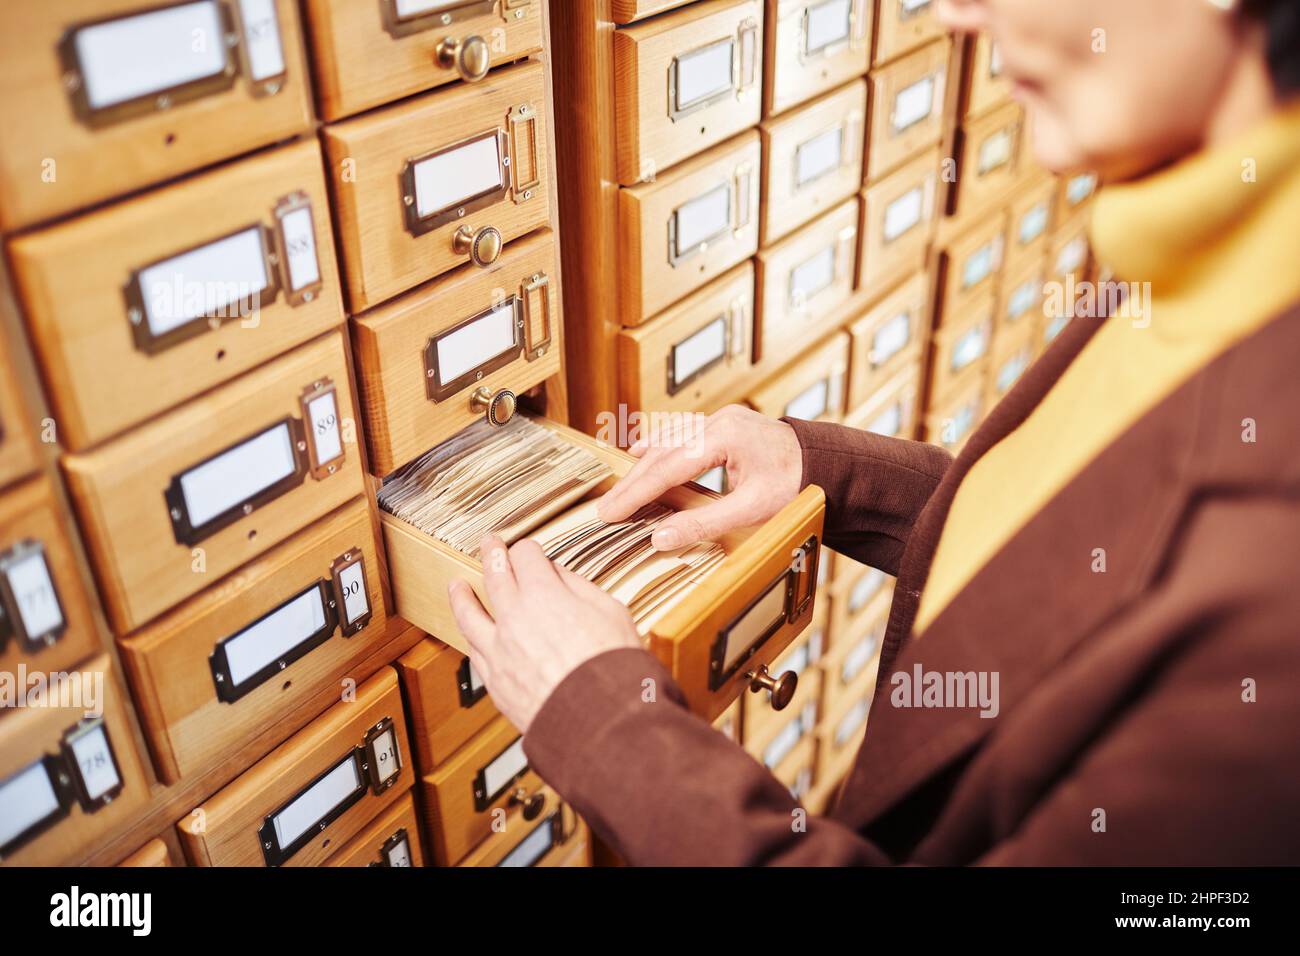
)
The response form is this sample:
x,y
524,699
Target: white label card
x,y
399,854
237,475
35,599
1022,299
819,156
980,265
888,422
858,658
827,24
911,7
851,721
891,338
383,750
94,761
1080,187
316,802
1072,256
969,348
702,218
458,175
323,420
212,280
715,479
275,635
995,151
262,50
504,768
783,743
865,589
913,104
1033,223
356,602
26,798
477,342
414,8
532,847
754,624
703,73
1011,370
811,403
300,248
812,276
904,213
475,681
698,350
147,53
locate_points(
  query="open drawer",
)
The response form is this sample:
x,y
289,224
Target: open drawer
x,y
717,639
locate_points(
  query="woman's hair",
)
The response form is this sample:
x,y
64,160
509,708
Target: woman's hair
x,y
1281,19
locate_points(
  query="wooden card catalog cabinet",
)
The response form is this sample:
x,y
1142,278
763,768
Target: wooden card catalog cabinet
x,y
711,55
441,357
804,281
630,11
717,636
175,505
812,388
989,164
907,100
902,26
142,305
434,182
888,338
392,839
687,227
314,793
899,214
812,159
840,735
383,50
986,86
69,772
543,842
851,668
101,97
46,621
813,46
860,596
17,443
212,676
447,699
696,355
1069,253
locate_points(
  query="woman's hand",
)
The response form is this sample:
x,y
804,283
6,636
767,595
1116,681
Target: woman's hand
x,y
764,470
548,623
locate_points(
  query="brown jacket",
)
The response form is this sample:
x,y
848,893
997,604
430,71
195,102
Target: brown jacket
x,y
1126,692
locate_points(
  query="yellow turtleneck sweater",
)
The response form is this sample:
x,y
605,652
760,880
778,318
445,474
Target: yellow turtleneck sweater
x,y
1222,255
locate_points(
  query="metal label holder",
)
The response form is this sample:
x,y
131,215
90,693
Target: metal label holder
x,y
672,386
84,729
11,618
398,26
438,390
677,111
312,430
465,685
483,799
418,225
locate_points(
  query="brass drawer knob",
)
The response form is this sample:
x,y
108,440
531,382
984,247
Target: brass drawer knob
x,y
533,803
498,407
781,688
470,56
482,247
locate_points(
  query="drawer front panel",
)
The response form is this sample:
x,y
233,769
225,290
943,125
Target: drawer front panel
x,y
812,159
69,775
813,388
841,735
376,52
987,87
955,418
1020,300
392,839
1074,193
174,506
423,357
629,11
899,215
961,347
1014,350
859,595
689,226
74,113
46,620
850,670
427,185
18,457
143,305
711,55
547,840
1069,255
152,854
761,721
695,356
892,410
902,26
480,785
211,677
907,100
971,266
311,795
805,280
813,46
888,338
990,155
1032,220
448,702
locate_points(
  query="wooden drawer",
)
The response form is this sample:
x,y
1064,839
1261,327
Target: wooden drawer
x,y
902,26
100,97
813,46
804,282
391,839
152,854
548,840
906,112
18,456
692,638
841,735
629,11
1014,350
1031,223
446,698
888,338
858,594
689,226
694,356
69,775
46,621
367,54
711,55
476,792
140,306
987,87
961,346
812,387
899,215
778,742
798,770
1073,194
989,158
312,794
801,659
1068,254
426,185
850,667
812,159
970,266
422,358
211,676
953,419
209,486
1020,299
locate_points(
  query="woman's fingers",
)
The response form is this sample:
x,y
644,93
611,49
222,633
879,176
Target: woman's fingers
x,y
498,575
644,484
535,573
474,621
708,523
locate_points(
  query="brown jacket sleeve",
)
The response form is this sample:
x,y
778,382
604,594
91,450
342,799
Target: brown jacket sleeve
x,y
661,786
875,487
